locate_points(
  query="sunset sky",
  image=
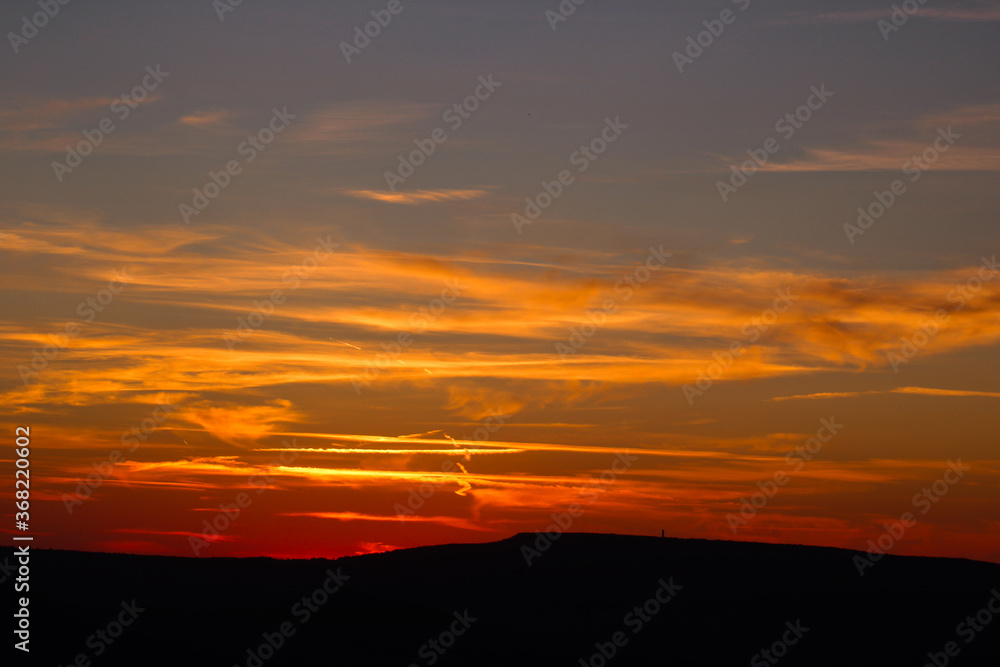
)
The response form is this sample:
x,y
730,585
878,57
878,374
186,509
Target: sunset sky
x,y
330,341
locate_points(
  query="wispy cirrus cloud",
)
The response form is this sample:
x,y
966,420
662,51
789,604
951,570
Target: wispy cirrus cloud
x,y
27,114
886,155
416,196
47,125
339,128
453,521
470,451
869,149
333,328
209,118
922,391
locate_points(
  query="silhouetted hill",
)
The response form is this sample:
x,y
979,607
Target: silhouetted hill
x,y
727,602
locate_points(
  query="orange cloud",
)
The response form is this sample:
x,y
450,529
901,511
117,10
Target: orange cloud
x,y
667,332
874,153
204,119
923,391
416,196
454,522
240,425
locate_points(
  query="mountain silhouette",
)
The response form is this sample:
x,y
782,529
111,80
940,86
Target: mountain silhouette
x,y
584,599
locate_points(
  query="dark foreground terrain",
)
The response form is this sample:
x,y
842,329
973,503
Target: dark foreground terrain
x,y
481,604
